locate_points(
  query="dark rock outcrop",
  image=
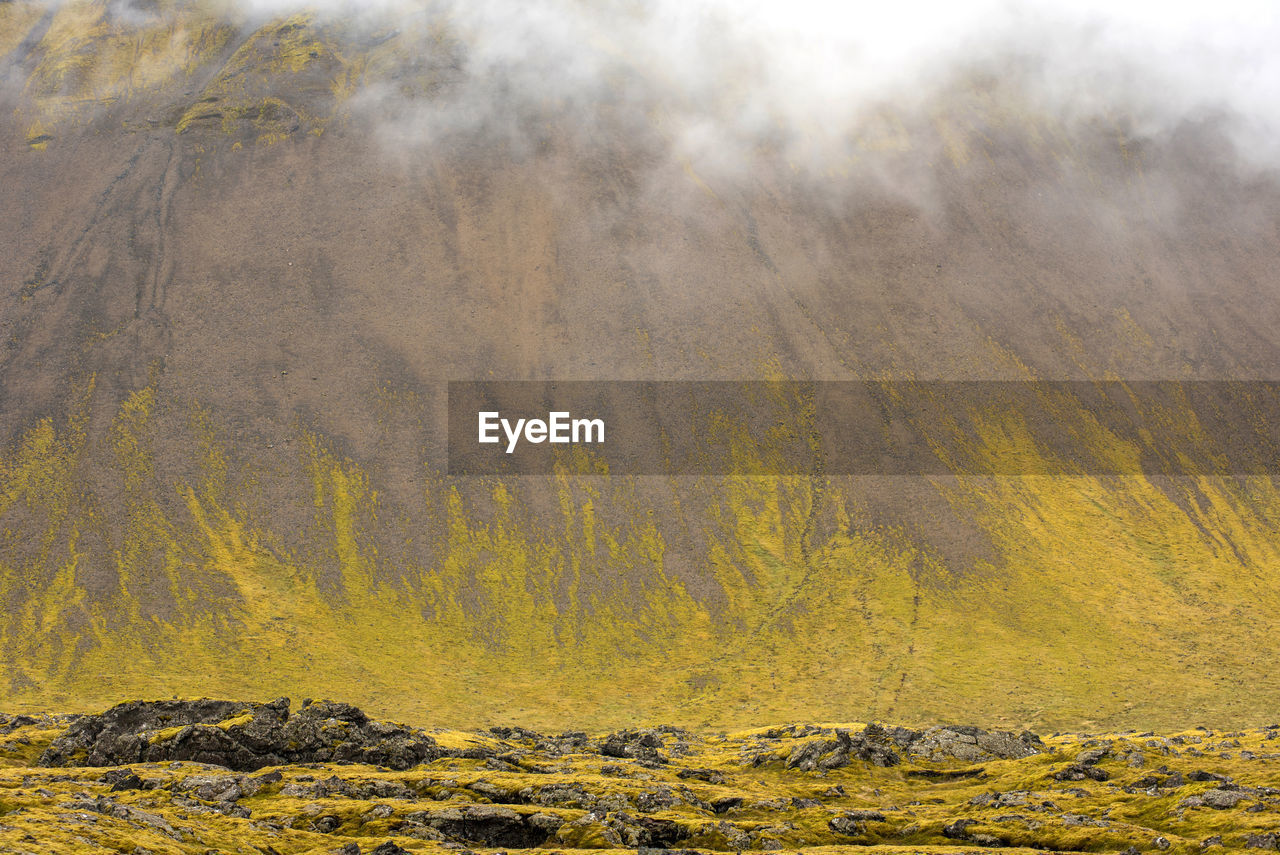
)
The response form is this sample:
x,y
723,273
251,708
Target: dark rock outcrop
x,y
389,848
645,831
643,745
1268,840
240,736
873,745
1013,798
488,825
884,746
1092,756
1223,798
854,822
1080,772
122,779
10,723
711,776
958,830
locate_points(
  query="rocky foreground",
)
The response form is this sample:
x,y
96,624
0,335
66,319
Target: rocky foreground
x,y
222,777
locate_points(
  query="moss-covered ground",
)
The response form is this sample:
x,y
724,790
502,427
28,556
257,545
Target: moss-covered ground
x,y
715,792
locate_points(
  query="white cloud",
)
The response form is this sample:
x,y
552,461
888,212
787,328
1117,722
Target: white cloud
x,y
728,72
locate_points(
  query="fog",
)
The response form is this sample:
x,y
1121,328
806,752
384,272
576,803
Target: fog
x,y
721,80
730,75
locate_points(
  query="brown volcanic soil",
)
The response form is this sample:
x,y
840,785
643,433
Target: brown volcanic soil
x,y
351,264
296,282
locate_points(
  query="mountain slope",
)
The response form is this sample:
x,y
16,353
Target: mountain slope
x,y
243,257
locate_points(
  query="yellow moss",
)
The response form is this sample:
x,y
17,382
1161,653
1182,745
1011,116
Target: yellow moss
x,y
236,721
88,59
165,735
917,798
1096,586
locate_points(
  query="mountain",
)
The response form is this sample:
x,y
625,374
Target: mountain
x,y
245,252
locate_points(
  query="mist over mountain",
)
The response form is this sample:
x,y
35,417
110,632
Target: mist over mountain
x,y
247,245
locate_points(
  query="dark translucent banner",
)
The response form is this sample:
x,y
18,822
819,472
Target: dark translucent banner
x,y
865,428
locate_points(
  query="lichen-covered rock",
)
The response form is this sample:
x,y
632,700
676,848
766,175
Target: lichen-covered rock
x,y
657,799
122,779
489,825
847,826
1013,798
643,745
1080,772
239,736
10,723
567,794
645,831
958,830
873,745
960,742
854,822
1092,756
1223,798
711,776
883,746
390,847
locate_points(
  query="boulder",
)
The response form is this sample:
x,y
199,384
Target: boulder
x,y
962,742
873,745
643,745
